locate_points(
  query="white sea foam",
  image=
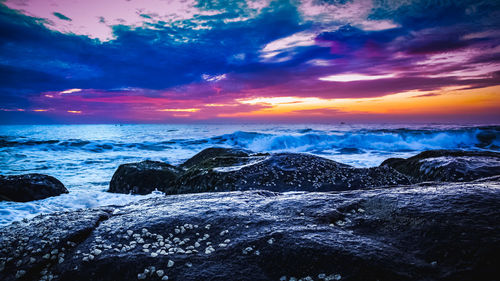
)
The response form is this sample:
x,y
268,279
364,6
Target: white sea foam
x,y
84,157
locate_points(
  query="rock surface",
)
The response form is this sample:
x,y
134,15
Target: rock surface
x,y
29,187
421,232
222,169
218,157
143,177
284,172
448,165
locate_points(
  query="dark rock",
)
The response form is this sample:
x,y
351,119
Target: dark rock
x,y
280,172
424,232
217,157
227,169
29,187
448,165
143,177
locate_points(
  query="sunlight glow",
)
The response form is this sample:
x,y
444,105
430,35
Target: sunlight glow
x,y
354,77
69,91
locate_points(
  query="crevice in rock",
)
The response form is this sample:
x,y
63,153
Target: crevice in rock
x,y
77,238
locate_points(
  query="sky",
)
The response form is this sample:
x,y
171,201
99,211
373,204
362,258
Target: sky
x,y
184,61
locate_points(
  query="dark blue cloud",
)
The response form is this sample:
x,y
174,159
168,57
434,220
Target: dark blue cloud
x,y
61,16
149,58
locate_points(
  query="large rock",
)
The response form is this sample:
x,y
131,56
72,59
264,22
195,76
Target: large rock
x,y
426,232
227,169
29,187
278,172
218,157
448,165
143,177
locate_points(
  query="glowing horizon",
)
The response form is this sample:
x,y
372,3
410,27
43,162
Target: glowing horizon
x,y
188,61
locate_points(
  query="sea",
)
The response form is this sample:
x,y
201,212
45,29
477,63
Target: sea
x,y
84,157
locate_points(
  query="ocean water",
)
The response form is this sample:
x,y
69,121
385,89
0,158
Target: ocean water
x,y
84,157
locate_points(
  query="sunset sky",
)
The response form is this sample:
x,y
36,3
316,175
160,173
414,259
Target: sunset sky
x,y
171,61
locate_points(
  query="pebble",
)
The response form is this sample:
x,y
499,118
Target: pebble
x,y
209,250
170,263
160,273
96,252
270,241
20,273
333,277
247,250
164,278
141,276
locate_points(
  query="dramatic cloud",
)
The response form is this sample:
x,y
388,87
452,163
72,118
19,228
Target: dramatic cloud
x,y
169,60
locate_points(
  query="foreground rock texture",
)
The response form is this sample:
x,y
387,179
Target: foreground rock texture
x,y
29,187
422,232
222,169
143,177
448,165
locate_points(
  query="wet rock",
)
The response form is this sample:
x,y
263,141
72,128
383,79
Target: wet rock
x,y
143,177
228,169
448,165
423,232
217,157
280,172
29,187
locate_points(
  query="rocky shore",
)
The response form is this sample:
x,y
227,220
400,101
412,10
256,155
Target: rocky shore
x,y
221,169
281,217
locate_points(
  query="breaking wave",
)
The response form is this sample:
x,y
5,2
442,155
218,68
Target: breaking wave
x,y
304,140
